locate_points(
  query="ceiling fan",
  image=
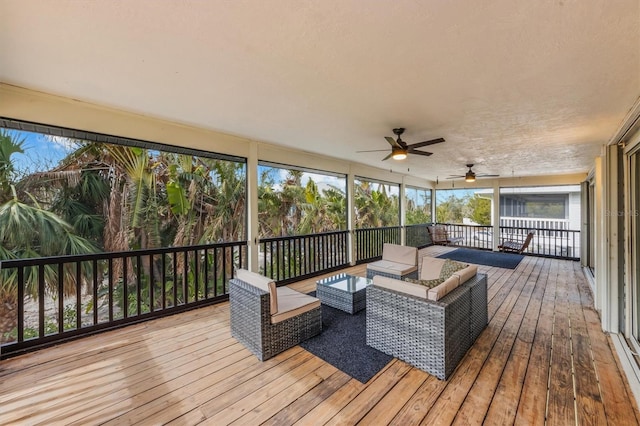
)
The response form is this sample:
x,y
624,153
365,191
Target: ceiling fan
x,y
400,149
471,176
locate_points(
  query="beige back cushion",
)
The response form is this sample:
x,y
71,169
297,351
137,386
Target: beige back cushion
x,y
431,267
263,283
467,273
292,303
443,289
401,254
401,286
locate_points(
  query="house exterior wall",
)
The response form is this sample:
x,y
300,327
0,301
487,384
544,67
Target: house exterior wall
x,y
616,288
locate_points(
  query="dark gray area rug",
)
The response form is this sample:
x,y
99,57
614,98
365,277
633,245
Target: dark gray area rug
x,y
484,257
343,344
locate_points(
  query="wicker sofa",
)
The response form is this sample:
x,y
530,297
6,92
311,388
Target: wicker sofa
x,y
397,262
431,329
269,319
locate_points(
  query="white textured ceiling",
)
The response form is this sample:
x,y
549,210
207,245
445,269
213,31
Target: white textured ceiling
x,y
518,87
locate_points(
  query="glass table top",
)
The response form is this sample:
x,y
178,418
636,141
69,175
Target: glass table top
x,y
345,282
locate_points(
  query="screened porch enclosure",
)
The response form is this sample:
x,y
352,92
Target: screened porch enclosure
x,y
542,359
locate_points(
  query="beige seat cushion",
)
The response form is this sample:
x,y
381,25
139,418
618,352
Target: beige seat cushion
x,y
401,286
263,283
393,267
292,303
400,254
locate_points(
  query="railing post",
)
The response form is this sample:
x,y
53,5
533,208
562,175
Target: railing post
x,y
495,215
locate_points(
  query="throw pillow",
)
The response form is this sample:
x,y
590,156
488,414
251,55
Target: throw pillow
x,y
427,283
449,267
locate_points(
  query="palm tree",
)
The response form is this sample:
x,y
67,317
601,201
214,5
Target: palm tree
x,y
29,231
324,211
269,206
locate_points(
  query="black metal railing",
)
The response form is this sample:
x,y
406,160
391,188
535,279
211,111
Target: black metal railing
x,y
369,241
473,236
64,297
287,259
557,243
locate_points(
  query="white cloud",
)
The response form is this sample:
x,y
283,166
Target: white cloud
x,y
62,142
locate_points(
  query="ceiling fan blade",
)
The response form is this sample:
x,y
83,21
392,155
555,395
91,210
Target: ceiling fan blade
x,y
375,150
425,143
392,142
483,176
414,151
387,157
456,177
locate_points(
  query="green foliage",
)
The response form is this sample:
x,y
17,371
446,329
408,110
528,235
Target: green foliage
x,y
450,210
50,326
289,208
417,216
177,197
374,208
454,209
479,209
8,146
418,209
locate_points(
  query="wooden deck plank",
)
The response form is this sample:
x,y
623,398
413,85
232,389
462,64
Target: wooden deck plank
x,y
187,369
115,387
475,406
375,390
301,406
532,406
420,403
114,372
273,404
590,409
561,401
509,389
619,405
389,406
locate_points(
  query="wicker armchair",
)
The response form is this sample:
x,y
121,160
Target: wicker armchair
x,y
397,262
430,335
270,320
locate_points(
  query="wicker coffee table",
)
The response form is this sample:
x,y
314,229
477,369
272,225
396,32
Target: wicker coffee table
x,y
344,292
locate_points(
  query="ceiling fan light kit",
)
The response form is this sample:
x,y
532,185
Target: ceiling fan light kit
x,y
398,153
400,149
470,175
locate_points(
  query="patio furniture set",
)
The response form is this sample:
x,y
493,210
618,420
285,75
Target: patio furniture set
x,y
428,319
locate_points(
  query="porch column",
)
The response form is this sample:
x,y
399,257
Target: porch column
x,y
252,207
351,217
403,212
495,215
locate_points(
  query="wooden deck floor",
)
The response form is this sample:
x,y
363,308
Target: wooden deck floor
x,y
542,358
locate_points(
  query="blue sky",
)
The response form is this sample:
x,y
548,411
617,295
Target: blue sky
x,y
41,152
